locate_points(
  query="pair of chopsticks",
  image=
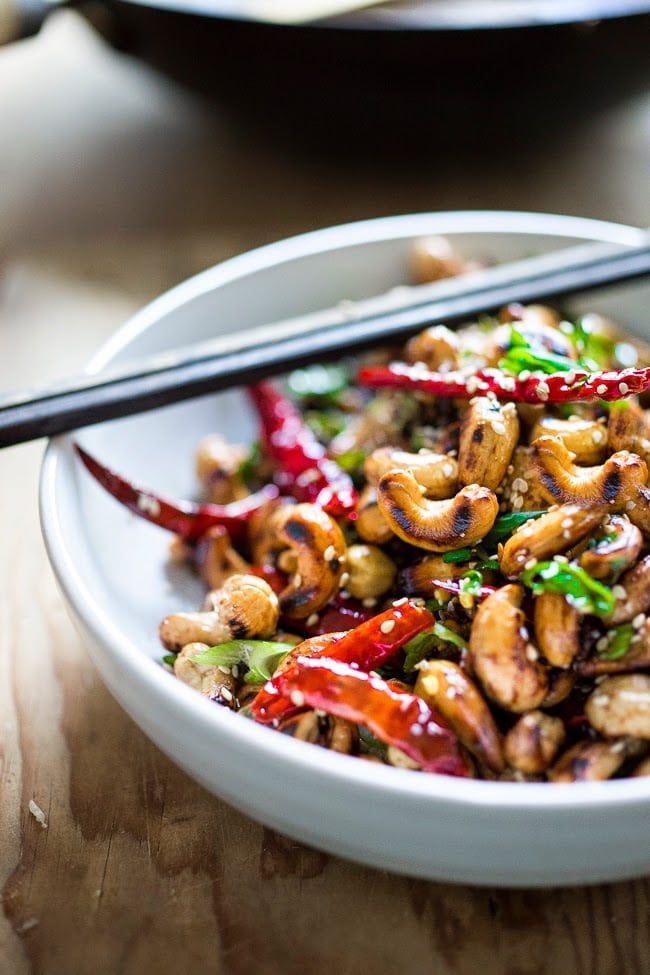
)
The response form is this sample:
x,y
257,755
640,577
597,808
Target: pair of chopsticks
x,y
246,356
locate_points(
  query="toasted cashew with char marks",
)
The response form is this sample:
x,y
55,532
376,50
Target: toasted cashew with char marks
x,y
218,467
552,533
585,439
632,593
488,436
613,483
592,761
504,659
628,428
614,551
533,742
320,550
244,607
217,683
450,692
620,706
436,473
438,526
328,731
557,628
371,524
437,347
418,578
217,559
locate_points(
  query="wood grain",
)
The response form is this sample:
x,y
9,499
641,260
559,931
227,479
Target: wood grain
x,y
115,186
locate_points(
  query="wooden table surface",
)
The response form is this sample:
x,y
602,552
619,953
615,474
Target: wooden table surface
x,y
114,184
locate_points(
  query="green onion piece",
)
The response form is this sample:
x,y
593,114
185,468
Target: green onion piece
x,y
583,592
507,524
534,360
420,646
374,745
169,659
619,642
490,564
460,555
471,582
318,380
261,657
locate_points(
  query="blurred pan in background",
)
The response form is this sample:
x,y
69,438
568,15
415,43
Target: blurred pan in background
x,y
479,75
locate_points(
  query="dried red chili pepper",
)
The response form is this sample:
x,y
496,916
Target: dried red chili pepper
x,y
561,387
304,469
396,718
339,614
185,518
368,645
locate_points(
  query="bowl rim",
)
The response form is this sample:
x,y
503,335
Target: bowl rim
x,y
173,696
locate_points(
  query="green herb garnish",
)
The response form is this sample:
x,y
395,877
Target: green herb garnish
x,y
318,381
460,555
471,582
261,657
619,642
507,524
420,646
583,592
169,659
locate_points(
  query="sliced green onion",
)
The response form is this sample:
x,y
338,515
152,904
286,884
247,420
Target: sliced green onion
x,y
618,643
318,380
507,524
460,555
261,657
583,592
424,643
471,582
169,659
535,360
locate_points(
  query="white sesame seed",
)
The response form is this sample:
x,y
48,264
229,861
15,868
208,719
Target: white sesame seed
x,y
524,375
618,592
638,621
531,653
601,700
520,485
561,558
602,644
329,553
567,523
598,435
499,428
313,619
297,698
226,694
297,580
530,564
617,747
148,505
630,505
369,602
601,389
387,626
448,470
401,602
543,390
345,578
517,502
623,389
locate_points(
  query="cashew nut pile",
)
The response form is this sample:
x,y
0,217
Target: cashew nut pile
x,y
525,529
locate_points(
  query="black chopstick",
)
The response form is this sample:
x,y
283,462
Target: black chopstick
x,y
246,356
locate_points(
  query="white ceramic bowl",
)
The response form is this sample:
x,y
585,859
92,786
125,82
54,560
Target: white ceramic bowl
x,y
114,573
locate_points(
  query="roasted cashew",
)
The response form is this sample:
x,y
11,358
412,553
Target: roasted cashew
x,y
418,578
218,466
320,548
615,551
244,607
263,529
520,488
488,437
636,657
371,573
437,474
561,683
217,683
217,559
632,593
628,428
505,661
620,706
336,734
371,524
438,526
541,538
638,510
433,258
586,439
437,347
591,761
448,690
531,745
557,628
613,483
